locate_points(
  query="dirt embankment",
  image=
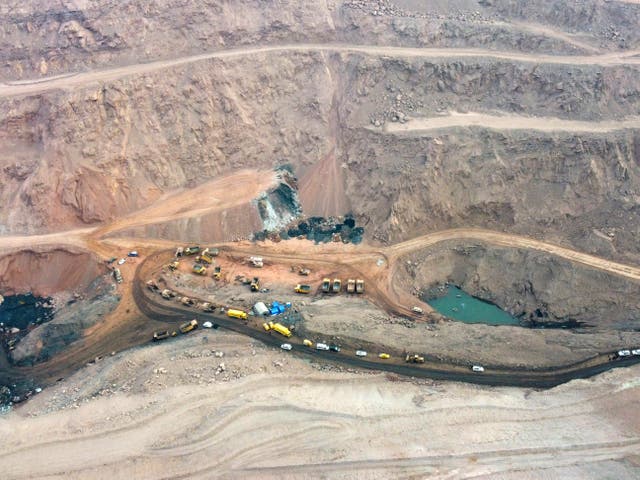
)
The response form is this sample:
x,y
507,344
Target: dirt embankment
x,y
48,272
528,284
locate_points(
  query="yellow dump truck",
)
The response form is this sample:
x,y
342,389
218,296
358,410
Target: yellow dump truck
x,y
351,285
337,285
188,326
205,258
199,270
359,286
217,273
237,314
326,285
303,288
281,329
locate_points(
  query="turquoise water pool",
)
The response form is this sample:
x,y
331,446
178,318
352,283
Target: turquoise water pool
x,y
459,305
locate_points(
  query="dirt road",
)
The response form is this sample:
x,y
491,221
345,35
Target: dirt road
x,y
30,87
509,122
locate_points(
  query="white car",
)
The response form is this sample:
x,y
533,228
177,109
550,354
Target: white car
x,y
635,351
207,325
624,353
286,346
477,368
322,346
121,261
361,353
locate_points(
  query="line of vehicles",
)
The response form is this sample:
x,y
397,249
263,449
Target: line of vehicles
x,y
335,286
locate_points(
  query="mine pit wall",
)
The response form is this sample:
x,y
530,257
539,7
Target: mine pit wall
x,y
48,272
523,281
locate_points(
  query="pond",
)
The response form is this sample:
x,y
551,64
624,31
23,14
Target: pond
x,y
459,305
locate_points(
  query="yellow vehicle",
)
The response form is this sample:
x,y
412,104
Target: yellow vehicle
x,y
307,343
266,327
351,286
205,258
199,269
384,356
337,285
281,329
303,288
237,314
255,284
415,358
217,273
359,286
174,265
187,327
326,285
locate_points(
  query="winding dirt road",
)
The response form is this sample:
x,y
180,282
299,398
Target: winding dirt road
x,y
30,87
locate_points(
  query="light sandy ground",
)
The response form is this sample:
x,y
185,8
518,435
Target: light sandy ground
x,y
26,87
509,122
168,411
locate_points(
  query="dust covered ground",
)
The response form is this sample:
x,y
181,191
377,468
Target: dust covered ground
x,y
216,405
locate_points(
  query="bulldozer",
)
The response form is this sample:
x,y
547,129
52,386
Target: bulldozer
x,y
415,358
255,284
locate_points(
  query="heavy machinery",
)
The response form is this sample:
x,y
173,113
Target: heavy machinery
x,y
188,326
191,250
326,285
281,329
384,356
304,272
205,258
307,343
186,301
217,272
303,288
255,284
174,265
359,286
266,327
199,269
415,358
157,336
117,275
213,252
256,262
351,285
179,252
237,314
168,294
337,285
152,285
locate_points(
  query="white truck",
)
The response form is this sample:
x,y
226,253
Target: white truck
x,y
322,346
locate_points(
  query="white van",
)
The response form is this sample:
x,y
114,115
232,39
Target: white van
x,y
322,346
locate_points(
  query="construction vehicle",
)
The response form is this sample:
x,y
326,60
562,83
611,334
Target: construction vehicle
x,y
173,265
351,286
337,285
281,329
415,358
326,285
179,252
207,307
256,262
188,326
266,327
152,285
157,336
168,294
117,275
307,343
255,284
303,288
212,252
217,272
205,258
199,269
304,272
187,301
359,286
191,250
384,356
237,314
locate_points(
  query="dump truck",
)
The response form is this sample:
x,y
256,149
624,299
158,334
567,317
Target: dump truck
x,y
174,265
188,326
351,285
303,288
205,258
191,250
415,358
212,252
199,269
217,272
255,284
237,314
359,286
281,329
326,285
256,262
152,285
179,252
187,301
337,285
117,275
168,294
157,336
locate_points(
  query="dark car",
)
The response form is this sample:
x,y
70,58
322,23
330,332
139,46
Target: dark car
x,y
334,348
157,336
